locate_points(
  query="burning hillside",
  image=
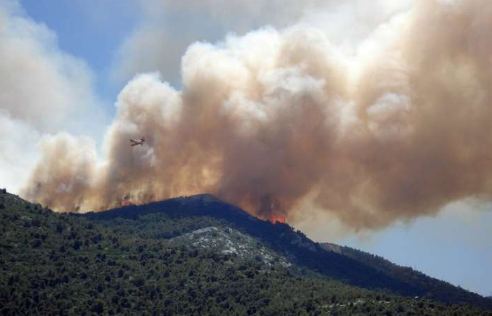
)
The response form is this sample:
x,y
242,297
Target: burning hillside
x,y
395,129
277,219
126,202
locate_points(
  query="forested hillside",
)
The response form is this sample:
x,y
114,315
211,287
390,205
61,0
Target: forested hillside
x,y
126,262
435,289
302,251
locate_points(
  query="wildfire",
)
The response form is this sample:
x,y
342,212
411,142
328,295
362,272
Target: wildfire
x,y
277,219
126,202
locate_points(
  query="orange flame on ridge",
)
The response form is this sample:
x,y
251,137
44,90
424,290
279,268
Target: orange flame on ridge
x,y
277,219
126,202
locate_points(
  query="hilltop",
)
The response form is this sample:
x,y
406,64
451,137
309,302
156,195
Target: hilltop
x,y
191,255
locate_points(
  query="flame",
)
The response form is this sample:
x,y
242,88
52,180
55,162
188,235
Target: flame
x,y
277,219
126,202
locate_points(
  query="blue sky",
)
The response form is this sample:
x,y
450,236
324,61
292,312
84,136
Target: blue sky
x,y
451,246
89,30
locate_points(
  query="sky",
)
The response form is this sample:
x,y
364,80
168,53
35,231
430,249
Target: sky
x,y
90,51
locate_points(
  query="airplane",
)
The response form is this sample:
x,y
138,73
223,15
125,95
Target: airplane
x,y
137,142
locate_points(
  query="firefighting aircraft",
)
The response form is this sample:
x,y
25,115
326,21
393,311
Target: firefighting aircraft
x,y
137,142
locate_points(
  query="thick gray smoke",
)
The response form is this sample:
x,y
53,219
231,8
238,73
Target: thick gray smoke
x,y
394,130
42,90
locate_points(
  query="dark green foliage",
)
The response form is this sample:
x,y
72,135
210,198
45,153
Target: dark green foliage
x,y
434,288
63,264
308,255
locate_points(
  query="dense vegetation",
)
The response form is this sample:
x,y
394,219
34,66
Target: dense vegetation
x,y
120,263
434,288
304,252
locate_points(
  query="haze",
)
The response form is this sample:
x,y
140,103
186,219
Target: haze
x,y
353,119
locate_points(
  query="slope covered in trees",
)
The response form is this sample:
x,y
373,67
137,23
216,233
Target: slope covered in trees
x,y
121,262
434,288
304,252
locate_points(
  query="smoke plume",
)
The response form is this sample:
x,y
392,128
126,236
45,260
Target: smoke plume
x,y
42,90
394,129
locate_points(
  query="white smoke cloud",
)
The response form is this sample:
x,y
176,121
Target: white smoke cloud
x,y
167,28
369,115
42,90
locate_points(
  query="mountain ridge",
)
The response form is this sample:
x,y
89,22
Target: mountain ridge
x,y
177,257
296,246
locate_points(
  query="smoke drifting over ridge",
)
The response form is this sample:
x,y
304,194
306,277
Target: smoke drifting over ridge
x,y
396,130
